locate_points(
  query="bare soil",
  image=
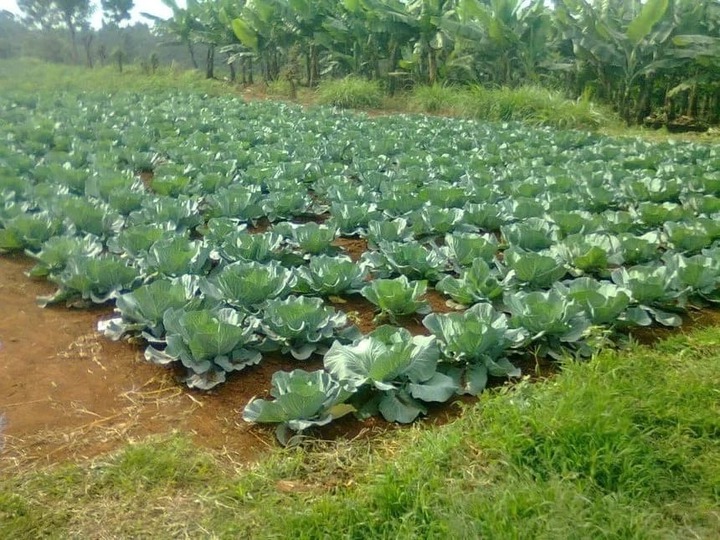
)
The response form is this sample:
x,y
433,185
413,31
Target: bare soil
x,y
68,393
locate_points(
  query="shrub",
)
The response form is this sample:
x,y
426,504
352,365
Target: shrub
x,y
351,93
532,104
435,98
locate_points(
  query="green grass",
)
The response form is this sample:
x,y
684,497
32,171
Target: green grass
x,y
626,446
535,105
30,74
350,93
436,99
529,104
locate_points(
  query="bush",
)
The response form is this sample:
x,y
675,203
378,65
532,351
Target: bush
x,y
280,88
351,93
435,98
532,104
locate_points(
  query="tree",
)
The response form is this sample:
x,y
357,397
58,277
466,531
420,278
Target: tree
x,y
74,14
116,11
38,13
182,26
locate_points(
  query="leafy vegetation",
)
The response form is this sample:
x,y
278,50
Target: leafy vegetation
x,y
219,246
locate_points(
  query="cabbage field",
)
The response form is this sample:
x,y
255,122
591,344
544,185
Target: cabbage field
x,y
219,229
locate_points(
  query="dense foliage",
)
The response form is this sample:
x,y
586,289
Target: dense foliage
x,y
643,57
542,240
652,60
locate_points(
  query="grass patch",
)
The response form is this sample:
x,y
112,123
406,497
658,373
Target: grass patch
x,y
435,99
627,446
350,93
280,88
528,104
28,75
534,105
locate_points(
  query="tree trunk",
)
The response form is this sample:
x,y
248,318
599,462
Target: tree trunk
x,y
314,68
644,108
250,71
73,40
714,116
308,69
392,83
87,42
210,63
192,55
432,66
233,74
692,109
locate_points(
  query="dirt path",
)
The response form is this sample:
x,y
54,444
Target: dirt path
x,y
69,393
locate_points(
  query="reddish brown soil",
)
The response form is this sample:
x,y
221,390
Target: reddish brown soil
x,y
692,319
69,393
352,247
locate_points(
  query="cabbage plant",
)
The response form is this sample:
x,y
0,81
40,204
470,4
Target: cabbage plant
x,y
142,310
604,303
434,221
300,325
697,277
574,222
688,238
286,204
248,285
654,290
58,250
639,249
392,371
218,229
258,247
410,259
353,219
475,284
83,216
91,279
238,202
484,216
328,276
27,232
476,343
302,400
395,230
208,342
397,297
311,238
592,252
535,270
181,214
176,255
462,249
552,319
136,240
533,234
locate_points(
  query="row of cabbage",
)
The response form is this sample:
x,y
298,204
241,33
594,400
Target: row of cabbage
x,y
538,238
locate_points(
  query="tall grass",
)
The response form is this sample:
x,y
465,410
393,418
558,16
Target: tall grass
x,y
435,99
350,93
530,104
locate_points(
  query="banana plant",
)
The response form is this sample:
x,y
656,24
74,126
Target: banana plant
x,y
622,43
